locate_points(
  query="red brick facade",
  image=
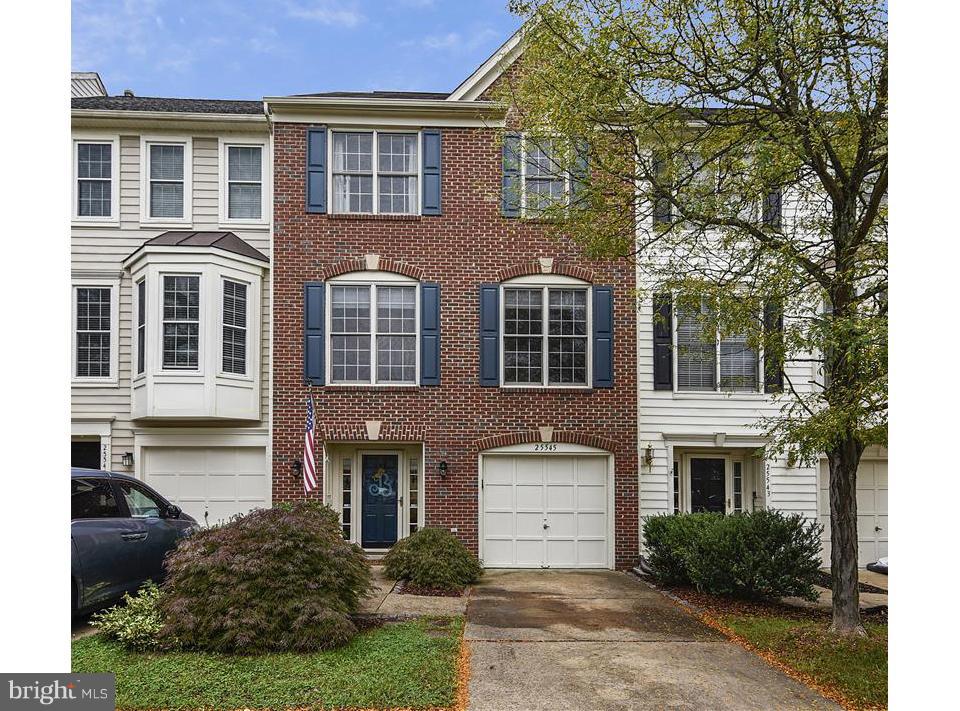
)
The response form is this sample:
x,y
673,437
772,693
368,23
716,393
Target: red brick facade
x,y
470,244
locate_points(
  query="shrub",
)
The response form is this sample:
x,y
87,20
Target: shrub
x,y
280,579
433,558
136,622
764,554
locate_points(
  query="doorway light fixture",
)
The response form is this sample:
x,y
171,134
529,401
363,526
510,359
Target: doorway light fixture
x,y
127,459
442,468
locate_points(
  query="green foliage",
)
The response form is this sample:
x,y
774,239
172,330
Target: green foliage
x,y
408,665
280,579
764,554
136,622
433,558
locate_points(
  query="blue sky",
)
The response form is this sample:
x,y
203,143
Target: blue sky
x,y
246,49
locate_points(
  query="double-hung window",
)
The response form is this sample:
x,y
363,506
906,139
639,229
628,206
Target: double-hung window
x,y
545,183
375,172
181,322
373,334
243,192
93,334
702,354
234,327
545,336
94,191
141,325
166,182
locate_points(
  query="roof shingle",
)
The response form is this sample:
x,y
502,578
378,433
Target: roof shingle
x,y
152,103
227,241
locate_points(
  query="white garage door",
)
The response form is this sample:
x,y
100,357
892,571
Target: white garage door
x,y
209,483
544,511
871,510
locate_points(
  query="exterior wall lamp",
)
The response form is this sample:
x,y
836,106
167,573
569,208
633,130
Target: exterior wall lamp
x,y
442,467
297,466
648,455
127,459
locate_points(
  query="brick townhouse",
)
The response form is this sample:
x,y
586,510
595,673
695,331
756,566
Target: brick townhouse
x,y
468,370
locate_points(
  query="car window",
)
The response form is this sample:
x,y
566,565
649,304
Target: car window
x,y
92,498
142,504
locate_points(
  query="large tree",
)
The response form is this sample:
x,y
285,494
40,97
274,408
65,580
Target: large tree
x,y
737,149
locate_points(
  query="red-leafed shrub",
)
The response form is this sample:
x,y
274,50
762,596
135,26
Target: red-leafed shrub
x,y
280,579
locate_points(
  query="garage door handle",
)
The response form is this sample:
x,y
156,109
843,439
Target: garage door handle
x,y
546,526
877,528
134,536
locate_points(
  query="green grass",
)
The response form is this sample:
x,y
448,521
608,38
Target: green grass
x,y
855,667
412,664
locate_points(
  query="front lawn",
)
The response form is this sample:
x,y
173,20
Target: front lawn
x,y
857,668
410,665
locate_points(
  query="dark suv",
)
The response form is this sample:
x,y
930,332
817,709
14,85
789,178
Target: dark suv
x,y
120,530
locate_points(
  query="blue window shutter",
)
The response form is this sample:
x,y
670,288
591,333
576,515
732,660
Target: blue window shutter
x,y
490,335
430,196
662,208
313,319
429,334
510,197
603,336
662,342
317,169
579,171
773,208
773,362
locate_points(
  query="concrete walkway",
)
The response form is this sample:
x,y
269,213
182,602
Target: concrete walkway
x,y
386,602
601,640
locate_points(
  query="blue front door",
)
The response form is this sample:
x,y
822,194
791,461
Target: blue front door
x,y
379,495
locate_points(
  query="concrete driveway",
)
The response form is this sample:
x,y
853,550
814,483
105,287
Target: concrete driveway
x,y
601,640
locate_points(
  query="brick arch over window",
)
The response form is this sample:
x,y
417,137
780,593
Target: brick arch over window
x,y
545,266
372,262
533,436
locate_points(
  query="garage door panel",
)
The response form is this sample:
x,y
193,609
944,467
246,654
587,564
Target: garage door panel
x,y
529,524
871,511
529,553
498,497
882,502
592,471
498,471
592,498
502,522
529,470
592,554
498,552
562,524
562,553
560,497
529,497
560,470
591,524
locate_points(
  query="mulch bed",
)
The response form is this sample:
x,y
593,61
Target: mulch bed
x,y
405,587
825,581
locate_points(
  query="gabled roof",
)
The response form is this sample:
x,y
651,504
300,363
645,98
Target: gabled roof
x,y
227,241
381,94
86,84
171,105
495,65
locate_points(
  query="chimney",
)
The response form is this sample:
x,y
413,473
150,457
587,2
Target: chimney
x,y
128,92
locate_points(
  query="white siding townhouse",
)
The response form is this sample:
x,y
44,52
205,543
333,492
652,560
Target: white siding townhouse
x,y
170,295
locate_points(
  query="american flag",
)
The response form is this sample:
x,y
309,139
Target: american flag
x,y
309,461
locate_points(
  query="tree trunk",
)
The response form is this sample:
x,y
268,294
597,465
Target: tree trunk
x,y
844,460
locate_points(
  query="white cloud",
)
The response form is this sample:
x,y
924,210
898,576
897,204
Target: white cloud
x,y
326,12
454,42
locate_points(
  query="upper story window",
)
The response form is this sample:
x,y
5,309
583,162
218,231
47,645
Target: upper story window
x,y
96,172
702,354
167,183
244,189
375,172
181,322
545,183
546,335
373,333
234,327
539,173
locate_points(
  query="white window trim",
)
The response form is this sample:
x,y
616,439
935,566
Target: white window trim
x,y
545,283
114,286
376,173
265,182
248,328
758,393
201,329
523,180
380,279
187,219
135,345
114,219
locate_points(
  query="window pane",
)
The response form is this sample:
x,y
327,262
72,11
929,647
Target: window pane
x,y
523,360
568,312
541,158
568,361
737,486
181,342
696,358
398,195
139,502
181,298
244,163
738,365
396,309
541,194
141,325
523,311
397,153
353,152
93,198
166,162
244,201
94,160
352,193
351,359
92,498
396,359
93,332
350,309
181,328
166,200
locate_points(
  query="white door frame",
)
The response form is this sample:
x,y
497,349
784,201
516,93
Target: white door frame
x,y
546,449
729,458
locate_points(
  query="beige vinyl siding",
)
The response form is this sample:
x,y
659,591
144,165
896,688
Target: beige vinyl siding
x,y
100,250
